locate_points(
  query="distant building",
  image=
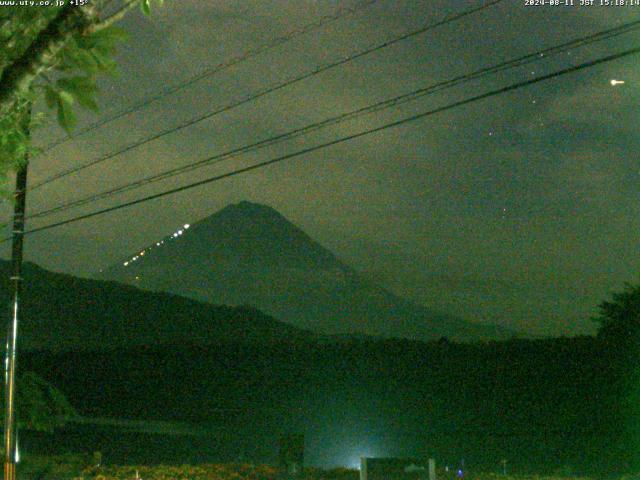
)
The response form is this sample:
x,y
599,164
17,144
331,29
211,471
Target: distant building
x,y
394,469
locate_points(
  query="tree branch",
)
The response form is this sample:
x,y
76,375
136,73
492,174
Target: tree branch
x,y
17,77
114,17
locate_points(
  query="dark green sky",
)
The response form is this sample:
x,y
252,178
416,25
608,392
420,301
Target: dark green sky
x,y
521,209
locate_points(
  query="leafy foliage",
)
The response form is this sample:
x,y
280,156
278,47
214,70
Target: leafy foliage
x,y
56,467
75,70
264,472
14,140
145,6
40,406
561,396
619,318
68,78
184,472
18,27
78,66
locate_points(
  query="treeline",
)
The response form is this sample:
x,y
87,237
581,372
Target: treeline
x,y
543,405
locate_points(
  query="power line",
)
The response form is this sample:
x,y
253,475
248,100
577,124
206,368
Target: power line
x,y
395,101
397,123
266,91
276,42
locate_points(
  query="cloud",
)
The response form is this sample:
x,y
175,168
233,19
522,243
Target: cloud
x,y
434,191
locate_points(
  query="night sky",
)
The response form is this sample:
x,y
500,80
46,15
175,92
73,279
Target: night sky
x,y
521,209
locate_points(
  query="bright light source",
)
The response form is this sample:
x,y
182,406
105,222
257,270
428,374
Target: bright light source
x,y
158,244
126,263
175,234
179,232
186,225
617,82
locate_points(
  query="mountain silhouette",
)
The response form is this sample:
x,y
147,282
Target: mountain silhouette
x,y
61,312
249,254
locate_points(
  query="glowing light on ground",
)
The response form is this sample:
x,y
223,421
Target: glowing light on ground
x,y
617,82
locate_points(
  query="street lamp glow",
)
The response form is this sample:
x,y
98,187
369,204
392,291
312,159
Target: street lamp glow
x,y
617,82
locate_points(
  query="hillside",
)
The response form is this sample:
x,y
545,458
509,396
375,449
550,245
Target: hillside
x,y
62,312
250,254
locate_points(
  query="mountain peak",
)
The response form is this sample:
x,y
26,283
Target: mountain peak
x,y
246,212
243,236
246,206
248,253
258,233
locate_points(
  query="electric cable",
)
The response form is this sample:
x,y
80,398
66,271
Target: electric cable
x,y
492,93
392,102
261,93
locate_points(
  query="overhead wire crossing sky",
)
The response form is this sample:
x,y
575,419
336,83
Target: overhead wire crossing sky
x,y
492,93
268,90
527,59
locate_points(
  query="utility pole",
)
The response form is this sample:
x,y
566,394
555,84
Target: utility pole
x,y
10,427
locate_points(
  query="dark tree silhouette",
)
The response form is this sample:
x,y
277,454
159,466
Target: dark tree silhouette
x,y
40,405
619,318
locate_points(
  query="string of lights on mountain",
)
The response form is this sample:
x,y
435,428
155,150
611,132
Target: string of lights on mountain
x,y
148,249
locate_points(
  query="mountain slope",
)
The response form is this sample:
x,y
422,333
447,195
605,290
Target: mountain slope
x,y
62,312
250,254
